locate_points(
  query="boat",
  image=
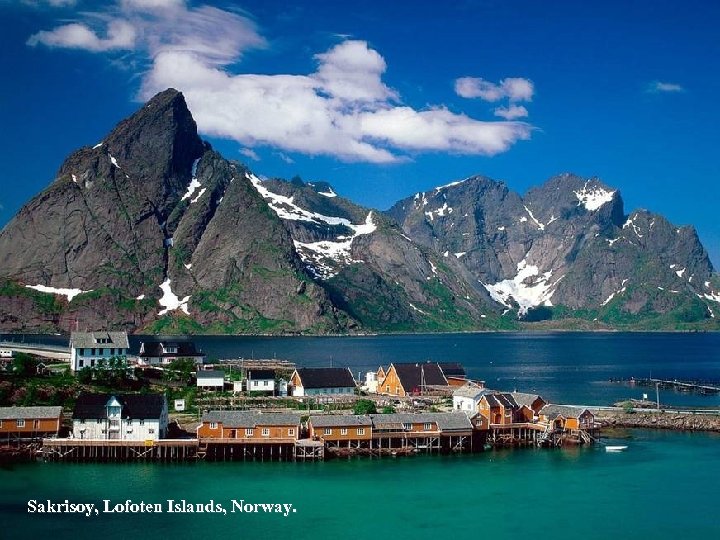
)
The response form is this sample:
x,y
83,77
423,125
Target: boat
x,y
615,448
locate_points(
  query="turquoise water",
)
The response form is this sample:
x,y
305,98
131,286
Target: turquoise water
x,y
664,486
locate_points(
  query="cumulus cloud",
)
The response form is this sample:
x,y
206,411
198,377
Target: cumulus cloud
x,y
657,87
120,35
343,108
511,112
512,88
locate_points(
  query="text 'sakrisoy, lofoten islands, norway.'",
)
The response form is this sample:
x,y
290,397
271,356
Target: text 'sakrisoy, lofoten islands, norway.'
x,y
325,269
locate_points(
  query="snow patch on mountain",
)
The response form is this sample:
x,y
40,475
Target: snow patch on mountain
x,y
528,288
594,197
68,293
440,212
169,300
323,259
286,208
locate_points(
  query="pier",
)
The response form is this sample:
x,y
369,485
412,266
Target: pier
x,y
700,387
168,450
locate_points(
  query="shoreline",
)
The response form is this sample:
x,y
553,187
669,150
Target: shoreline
x,y
660,420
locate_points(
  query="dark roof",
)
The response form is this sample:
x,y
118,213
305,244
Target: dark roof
x,y
502,399
448,421
155,349
210,374
526,399
452,369
413,376
260,374
566,411
326,378
141,406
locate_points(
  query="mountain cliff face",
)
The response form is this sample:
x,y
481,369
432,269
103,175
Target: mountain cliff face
x,y
566,245
152,230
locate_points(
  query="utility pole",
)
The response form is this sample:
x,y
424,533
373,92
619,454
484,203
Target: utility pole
x,y
657,394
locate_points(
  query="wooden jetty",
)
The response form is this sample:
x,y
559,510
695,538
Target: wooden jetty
x,y
700,387
113,450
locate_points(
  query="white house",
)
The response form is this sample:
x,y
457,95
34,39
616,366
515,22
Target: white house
x,y
6,353
210,380
466,398
156,353
371,382
321,381
132,417
261,380
93,349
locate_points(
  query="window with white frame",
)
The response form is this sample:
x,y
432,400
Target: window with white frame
x,y
427,426
361,431
265,432
343,431
249,432
213,425
20,422
327,431
407,426
291,432
151,430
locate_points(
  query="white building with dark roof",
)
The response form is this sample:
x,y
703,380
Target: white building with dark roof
x,y
156,353
136,417
210,380
95,349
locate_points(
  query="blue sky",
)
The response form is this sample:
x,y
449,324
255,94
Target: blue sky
x,y
383,99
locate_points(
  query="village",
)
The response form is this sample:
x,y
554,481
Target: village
x,y
269,409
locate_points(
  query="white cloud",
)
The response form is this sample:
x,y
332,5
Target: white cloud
x,y
656,87
511,112
512,88
120,36
151,27
342,109
250,153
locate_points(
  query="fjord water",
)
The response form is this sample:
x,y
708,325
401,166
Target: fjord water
x,y
564,367
663,487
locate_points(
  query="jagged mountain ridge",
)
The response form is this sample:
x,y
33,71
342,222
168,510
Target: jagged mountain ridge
x,y
152,230
566,243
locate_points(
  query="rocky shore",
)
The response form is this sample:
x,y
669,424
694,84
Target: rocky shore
x,y
661,420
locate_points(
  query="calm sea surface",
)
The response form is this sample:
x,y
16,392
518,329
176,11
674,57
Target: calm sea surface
x,y
664,487
563,367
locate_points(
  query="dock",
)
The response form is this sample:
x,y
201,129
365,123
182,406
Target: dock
x,y
168,450
699,387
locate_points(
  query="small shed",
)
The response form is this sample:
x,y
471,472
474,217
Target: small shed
x,y
211,380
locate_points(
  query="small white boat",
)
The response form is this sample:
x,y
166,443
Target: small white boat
x,y
615,448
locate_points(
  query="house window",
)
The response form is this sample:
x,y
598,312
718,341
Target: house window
x,y
0,423
265,432
427,426
92,363
397,390
255,383
213,425
20,422
361,431
327,431
81,363
343,431
151,430
142,422
100,352
265,383
81,352
387,389
291,432
249,432
407,426
92,352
